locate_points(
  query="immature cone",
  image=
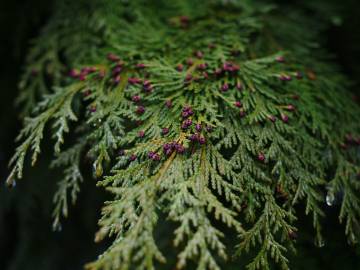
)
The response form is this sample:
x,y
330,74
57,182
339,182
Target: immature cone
x,y
113,57
165,131
238,104
136,98
261,157
224,87
140,110
141,134
198,127
168,103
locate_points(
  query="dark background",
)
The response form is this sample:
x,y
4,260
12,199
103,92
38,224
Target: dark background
x,y
27,241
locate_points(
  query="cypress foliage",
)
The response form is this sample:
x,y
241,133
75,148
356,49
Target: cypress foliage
x,y
197,112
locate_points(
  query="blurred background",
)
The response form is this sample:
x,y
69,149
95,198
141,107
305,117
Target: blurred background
x,y
27,241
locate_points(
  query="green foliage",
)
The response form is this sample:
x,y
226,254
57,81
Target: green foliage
x,y
209,115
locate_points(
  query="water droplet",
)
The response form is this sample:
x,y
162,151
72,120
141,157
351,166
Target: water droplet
x,y
57,226
319,242
11,183
330,198
96,123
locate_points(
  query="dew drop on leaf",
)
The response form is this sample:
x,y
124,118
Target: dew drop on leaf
x,y
11,183
330,198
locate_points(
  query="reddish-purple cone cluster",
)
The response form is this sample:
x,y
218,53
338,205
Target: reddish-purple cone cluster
x,y
184,21
186,124
115,73
113,57
238,104
272,118
280,59
225,87
290,107
117,70
199,54
180,67
297,74
202,66
133,157
169,148
141,134
134,81
284,118
261,157
136,98
116,79
285,78
81,75
227,67
165,131
230,67
197,138
147,86
209,128
140,66
168,104
140,110
154,156
188,78
187,111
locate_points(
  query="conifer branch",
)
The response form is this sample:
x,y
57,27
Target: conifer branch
x,y
197,115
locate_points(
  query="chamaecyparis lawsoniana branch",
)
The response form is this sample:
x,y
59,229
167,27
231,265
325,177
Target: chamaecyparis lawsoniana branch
x,y
207,114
